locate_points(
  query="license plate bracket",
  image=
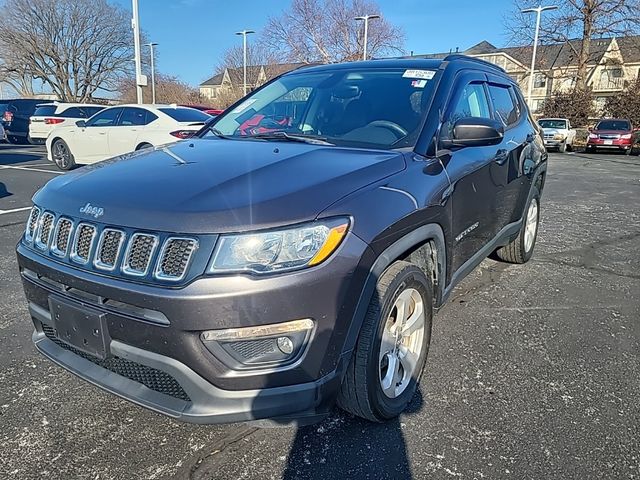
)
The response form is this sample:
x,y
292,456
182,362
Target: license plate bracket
x,y
81,327
608,142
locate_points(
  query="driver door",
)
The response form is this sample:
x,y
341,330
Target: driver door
x,y
469,169
92,141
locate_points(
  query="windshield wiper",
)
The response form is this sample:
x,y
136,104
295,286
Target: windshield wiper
x,y
219,134
291,137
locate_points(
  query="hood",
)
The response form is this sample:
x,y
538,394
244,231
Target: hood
x,y
216,185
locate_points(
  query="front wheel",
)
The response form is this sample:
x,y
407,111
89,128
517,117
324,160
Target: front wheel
x,y
62,156
392,347
520,249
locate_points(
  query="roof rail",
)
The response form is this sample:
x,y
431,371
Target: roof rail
x,y
467,58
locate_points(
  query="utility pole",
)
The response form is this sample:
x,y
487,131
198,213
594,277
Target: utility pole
x,y
366,19
538,11
135,24
153,73
244,34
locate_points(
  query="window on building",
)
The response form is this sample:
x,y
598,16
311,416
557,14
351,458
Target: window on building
x,y
539,80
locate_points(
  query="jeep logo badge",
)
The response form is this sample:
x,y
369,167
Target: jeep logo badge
x,y
95,212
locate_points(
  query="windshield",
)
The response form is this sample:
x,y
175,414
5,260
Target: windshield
x,y
621,125
552,123
381,108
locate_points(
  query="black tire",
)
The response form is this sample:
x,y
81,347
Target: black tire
x,y
361,393
12,139
628,151
516,251
590,149
67,163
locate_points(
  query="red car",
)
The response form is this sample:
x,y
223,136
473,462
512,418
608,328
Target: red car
x,y
612,134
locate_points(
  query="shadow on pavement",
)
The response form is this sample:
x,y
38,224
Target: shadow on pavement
x,y
3,191
347,447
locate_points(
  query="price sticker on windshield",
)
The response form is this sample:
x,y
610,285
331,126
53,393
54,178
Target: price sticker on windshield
x,y
244,105
419,74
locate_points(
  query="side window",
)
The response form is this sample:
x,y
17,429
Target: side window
x,y
106,118
505,108
132,117
472,103
72,112
150,117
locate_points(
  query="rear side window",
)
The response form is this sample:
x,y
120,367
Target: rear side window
x,y
80,112
506,109
472,103
45,111
186,114
136,116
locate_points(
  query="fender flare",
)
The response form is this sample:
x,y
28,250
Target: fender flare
x,y
431,231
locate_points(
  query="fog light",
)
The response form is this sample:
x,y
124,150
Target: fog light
x,y
285,345
260,346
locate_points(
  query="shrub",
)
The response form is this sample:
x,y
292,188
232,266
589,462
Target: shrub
x,y
576,105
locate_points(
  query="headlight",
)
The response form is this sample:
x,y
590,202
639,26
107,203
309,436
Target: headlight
x,y
593,135
558,136
626,136
278,250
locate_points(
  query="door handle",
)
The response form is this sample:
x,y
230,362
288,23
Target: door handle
x,y
102,133
501,156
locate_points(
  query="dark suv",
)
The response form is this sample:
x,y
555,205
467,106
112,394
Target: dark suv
x,y
241,276
15,115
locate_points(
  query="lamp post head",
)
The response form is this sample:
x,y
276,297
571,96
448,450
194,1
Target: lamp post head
x,y
539,9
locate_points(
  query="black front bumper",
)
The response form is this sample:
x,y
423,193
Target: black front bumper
x,y
164,366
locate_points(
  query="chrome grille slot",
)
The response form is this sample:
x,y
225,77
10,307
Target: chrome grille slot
x,y
108,250
175,257
139,252
32,224
61,237
44,231
82,243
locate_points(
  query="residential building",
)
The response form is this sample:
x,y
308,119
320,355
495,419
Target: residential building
x,y
614,63
230,80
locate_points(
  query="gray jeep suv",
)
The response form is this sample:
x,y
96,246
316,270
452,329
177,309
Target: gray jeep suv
x,y
293,254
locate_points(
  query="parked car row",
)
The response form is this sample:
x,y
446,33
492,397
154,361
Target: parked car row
x,y
607,134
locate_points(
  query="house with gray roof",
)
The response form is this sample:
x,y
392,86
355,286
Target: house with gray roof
x,y
614,64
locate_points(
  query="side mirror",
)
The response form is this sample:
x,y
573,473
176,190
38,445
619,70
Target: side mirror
x,y
81,124
475,132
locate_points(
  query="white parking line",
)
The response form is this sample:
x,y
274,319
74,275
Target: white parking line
x,y
38,165
14,210
31,169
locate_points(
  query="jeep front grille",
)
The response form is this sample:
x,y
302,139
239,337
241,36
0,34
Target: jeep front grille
x,y
175,258
61,237
108,250
32,224
44,232
139,254
82,243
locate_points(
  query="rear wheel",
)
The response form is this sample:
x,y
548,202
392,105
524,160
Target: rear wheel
x,y
61,154
392,347
142,146
520,249
13,140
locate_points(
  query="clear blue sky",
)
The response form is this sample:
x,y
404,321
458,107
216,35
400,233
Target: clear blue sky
x,y
193,33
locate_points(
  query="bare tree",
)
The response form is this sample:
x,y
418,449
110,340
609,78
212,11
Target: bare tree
x,y
168,90
575,24
76,47
326,31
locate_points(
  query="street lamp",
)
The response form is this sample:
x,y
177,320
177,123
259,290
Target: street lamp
x,y
135,24
244,34
366,19
153,73
538,11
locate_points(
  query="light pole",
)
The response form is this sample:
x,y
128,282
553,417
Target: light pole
x,y
135,24
538,11
153,73
244,34
366,19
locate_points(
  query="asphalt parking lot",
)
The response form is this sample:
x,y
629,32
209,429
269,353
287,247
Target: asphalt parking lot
x,y
534,370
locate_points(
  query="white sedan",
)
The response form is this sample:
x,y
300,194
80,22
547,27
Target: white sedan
x,y
121,129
